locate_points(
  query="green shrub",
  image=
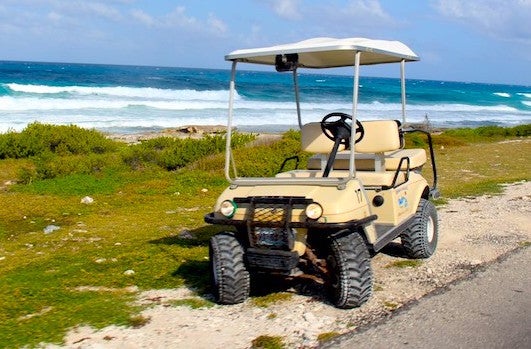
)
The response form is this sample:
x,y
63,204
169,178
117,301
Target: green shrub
x,y
38,139
174,153
447,140
461,136
270,156
521,131
48,166
488,133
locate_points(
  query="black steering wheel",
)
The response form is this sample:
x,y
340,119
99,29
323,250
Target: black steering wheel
x,y
339,128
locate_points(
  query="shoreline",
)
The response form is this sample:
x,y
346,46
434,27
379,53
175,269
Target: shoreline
x,y
199,131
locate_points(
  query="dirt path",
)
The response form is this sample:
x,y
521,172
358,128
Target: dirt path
x,y
474,231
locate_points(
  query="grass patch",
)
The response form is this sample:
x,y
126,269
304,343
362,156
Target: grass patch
x,y
405,263
137,321
327,336
194,303
139,210
268,342
390,305
270,299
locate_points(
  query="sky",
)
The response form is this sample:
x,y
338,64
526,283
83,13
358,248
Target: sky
x,y
457,40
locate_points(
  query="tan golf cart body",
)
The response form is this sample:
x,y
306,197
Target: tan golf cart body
x,y
367,186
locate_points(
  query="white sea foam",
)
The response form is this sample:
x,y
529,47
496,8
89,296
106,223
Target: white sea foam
x,y
125,109
121,91
502,94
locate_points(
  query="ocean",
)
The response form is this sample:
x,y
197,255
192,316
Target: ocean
x,y
132,99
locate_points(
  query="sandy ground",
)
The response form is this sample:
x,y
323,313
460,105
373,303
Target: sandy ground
x,y
473,231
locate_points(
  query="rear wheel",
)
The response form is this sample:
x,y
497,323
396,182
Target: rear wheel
x,y
420,238
350,281
228,275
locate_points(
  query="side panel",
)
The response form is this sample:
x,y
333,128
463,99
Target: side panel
x,y
395,205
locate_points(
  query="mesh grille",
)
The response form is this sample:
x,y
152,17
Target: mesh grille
x,y
269,213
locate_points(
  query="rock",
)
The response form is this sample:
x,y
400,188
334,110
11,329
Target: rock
x,y
186,234
87,200
309,317
129,272
204,190
50,229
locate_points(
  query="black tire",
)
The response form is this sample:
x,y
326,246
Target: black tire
x,y
420,239
228,274
350,281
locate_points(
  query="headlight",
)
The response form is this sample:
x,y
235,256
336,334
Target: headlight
x,y
228,208
314,211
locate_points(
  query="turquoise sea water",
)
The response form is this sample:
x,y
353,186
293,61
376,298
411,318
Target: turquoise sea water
x,y
128,99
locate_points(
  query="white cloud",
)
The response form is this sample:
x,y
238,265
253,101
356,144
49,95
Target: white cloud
x,y
216,24
143,17
505,20
178,18
366,9
353,17
288,9
78,8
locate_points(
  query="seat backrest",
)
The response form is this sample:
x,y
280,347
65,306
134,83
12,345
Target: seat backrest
x,y
380,136
314,140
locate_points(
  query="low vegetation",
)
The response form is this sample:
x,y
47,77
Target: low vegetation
x,y
272,298
405,263
267,342
64,262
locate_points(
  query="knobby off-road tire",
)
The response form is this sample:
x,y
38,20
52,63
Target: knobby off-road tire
x,y
419,240
228,274
350,282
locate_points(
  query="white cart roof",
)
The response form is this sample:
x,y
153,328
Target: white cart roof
x,y
329,52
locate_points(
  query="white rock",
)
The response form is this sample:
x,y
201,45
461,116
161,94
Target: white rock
x,y
129,272
204,190
50,229
87,200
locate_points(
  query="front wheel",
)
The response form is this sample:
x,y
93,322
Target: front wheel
x,y
420,238
350,275
228,275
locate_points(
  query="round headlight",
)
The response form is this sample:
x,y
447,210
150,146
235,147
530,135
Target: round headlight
x,y
228,208
314,211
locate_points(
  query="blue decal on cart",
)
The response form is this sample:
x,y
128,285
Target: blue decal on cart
x,y
402,201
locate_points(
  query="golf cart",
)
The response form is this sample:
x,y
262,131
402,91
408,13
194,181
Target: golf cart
x,y
360,190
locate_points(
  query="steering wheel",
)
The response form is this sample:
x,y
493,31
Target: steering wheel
x,y
335,126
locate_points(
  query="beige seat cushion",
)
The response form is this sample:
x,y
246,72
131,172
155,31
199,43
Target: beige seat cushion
x,y
314,140
417,158
379,136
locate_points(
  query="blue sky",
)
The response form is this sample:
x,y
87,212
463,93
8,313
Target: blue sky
x,y
459,40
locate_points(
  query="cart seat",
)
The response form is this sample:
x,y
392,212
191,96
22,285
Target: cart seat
x,y
365,162
379,149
